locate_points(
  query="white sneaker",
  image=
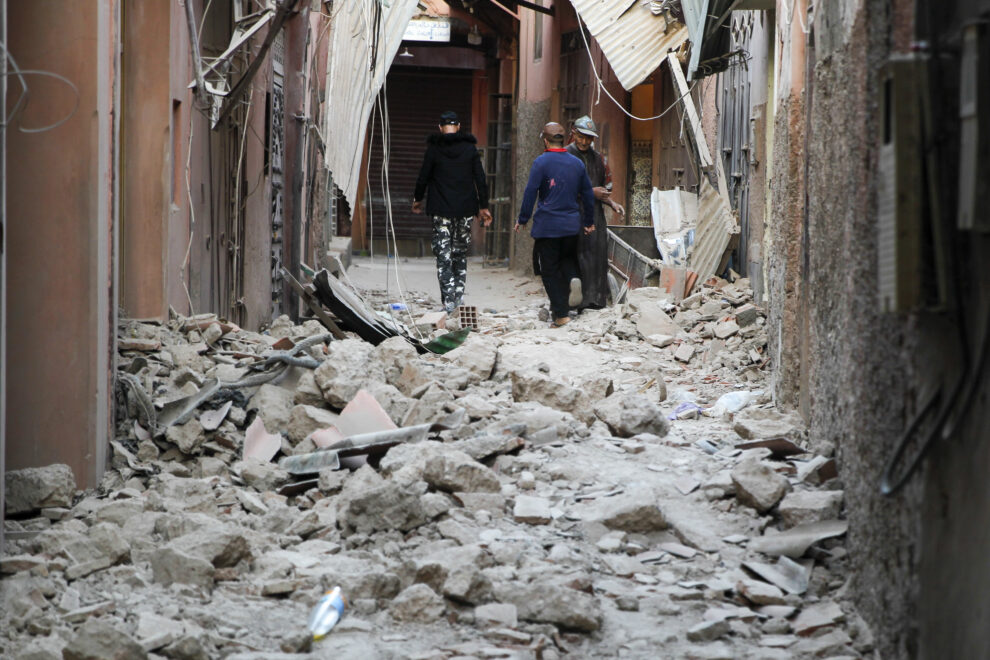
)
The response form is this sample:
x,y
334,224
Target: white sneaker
x,y
576,294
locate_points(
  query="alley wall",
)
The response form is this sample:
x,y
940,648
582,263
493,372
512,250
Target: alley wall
x,y
920,575
59,273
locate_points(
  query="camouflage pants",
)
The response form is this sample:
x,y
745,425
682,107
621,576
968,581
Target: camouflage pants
x,y
451,238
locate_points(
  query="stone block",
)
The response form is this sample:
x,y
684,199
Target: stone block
x,y
36,488
758,485
810,506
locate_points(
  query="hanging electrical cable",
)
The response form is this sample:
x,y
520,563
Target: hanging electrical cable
x,y
603,88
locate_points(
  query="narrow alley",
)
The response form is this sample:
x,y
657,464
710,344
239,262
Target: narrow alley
x,y
524,329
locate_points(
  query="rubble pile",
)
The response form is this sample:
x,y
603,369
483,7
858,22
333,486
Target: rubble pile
x,y
618,487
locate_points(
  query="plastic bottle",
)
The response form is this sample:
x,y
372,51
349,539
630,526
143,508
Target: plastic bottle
x,y
398,307
326,613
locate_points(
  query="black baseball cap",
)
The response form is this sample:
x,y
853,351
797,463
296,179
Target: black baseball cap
x,y
449,117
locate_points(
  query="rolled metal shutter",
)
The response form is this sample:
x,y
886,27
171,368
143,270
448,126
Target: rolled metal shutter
x,y
415,100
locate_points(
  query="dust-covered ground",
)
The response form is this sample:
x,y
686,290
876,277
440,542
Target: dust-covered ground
x,y
579,493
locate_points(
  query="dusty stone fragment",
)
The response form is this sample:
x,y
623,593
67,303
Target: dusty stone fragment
x,y
187,437
497,614
759,423
221,546
477,407
747,315
138,344
417,604
532,510
154,631
636,510
393,354
98,640
491,502
384,507
430,407
660,341
707,631
304,419
169,565
261,475
810,506
467,584
684,352
455,471
331,481
17,563
548,602
212,333
477,354
348,367
84,568
307,392
726,329
758,485
31,489
819,615
435,504
108,540
534,386
654,321
760,593
274,406
833,644
187,355
630,414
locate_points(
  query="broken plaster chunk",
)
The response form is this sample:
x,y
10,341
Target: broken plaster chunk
x,y
726,329
758,485
660,341
417,604
801,507
274,406
631,414
532,510
684,352
187,437
304,419
760,593
31,489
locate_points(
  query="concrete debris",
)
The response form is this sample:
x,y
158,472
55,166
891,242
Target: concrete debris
x,y
32,489
527,493
758,484
810,506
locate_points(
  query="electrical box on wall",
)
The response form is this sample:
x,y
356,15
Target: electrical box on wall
x,y
974,116
900,181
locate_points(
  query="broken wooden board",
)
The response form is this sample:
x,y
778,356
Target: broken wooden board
x,y
687,103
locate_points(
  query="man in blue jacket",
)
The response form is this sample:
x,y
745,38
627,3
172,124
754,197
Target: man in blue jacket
x,y
559,187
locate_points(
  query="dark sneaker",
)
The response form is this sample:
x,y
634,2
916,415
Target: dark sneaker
x,y
576,294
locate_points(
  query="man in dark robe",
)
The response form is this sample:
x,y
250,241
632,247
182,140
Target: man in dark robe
x,y
593,247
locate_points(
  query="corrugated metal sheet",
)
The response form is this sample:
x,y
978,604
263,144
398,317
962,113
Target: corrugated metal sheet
x,y
716,226
354,76
633,39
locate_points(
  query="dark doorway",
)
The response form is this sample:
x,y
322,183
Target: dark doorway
x,y
414,100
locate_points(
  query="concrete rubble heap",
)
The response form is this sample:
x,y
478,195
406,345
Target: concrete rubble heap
x,y
580,493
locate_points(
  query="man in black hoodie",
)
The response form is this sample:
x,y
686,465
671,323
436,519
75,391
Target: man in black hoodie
x,y
453,180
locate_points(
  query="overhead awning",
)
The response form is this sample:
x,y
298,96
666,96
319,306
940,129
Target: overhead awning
x,y
634,39
364,38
